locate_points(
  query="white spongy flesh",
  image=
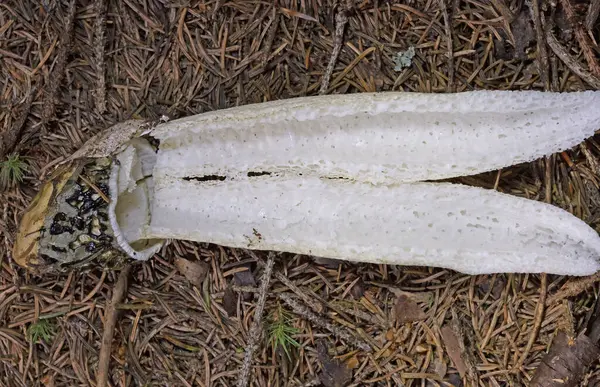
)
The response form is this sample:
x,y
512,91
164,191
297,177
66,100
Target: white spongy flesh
x,y
379,137
471,230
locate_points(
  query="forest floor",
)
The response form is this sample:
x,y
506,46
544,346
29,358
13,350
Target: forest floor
x,y
71,68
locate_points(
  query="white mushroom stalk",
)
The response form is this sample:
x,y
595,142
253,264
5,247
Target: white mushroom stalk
x,y
349,177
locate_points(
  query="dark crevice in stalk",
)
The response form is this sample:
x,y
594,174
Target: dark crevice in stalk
x,y
205,178
254,174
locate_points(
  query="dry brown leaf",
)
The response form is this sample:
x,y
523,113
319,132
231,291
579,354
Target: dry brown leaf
x,y
48,381
459,343
487,284
453,349
292,13
245,278
389,335
353,362
455,380
358,290
522,29
230,302
420,297
194,271
407,310
566,362
438,366
328,262
333,373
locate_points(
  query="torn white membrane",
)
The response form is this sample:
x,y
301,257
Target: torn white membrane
x,y
340,177
132,184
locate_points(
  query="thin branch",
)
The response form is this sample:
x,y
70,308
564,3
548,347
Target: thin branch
x,y
571,62
341,19
537,322
10,137
271,34
449,43
255,330
582,38
110,320
573,288
99,46
542,49
592,14
592,161
57,75
504,9
341,332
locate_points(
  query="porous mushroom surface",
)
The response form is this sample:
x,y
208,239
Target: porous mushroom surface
x,y
350,177
378,137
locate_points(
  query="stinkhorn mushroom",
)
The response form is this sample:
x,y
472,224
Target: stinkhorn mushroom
x,y
345,176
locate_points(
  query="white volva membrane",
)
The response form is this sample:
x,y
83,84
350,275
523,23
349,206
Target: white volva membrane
x,y
132,185
380,138
266,177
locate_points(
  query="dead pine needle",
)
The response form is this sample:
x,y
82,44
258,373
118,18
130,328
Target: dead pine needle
x,y
592,14
341,19
592,161
99,45
319,321
255,330
542,49
449,43
57,75
582,38
571,62
537,322
10,138
574,288
549,166
110,321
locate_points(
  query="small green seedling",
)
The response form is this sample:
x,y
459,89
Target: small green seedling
x,y
12,170
42,329
281,330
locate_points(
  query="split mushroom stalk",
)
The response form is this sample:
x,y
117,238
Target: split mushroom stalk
x,y
349,177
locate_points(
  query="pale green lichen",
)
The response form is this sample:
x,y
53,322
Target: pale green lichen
x,y
403,59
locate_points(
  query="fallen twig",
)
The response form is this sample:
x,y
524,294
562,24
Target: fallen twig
x,y
566,362
582,38
570,355
340,332
449,44
56,77
537,322
270,37
571,62
549,167
504,9
9,137
592,161
99,43
573,288
341,19
255,330
592,14
542,49
110,320
456,336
